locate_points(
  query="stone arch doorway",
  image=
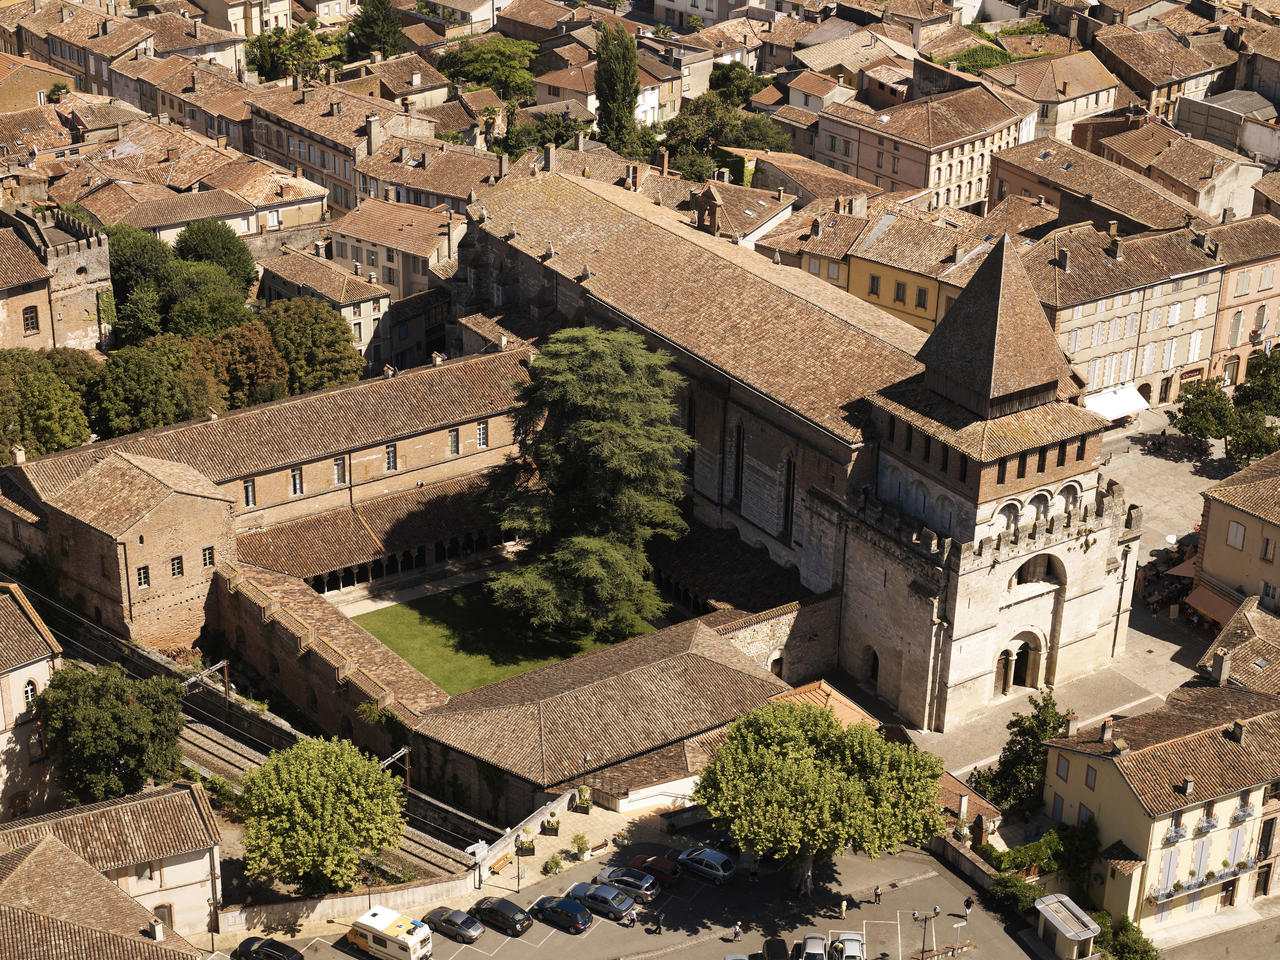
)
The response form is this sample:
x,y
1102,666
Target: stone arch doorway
x,y
1004,673
1019,664
1144,391
775,663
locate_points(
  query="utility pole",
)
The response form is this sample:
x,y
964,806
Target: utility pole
x,y
226,681
924,920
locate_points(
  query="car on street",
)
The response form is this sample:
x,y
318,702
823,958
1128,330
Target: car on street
x,y
636,883
847,946
569,915
502,914
262,948
814,948
775,948
707,863
455,924
605,900
662,869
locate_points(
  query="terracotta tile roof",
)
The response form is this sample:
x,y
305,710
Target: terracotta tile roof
x,y
794,338
952,42
212,90
1252,238
858,49
183,208
141,828
369,531
768,97
309,427
19,264
1093,272
1120,857
11,65
600,708
85,26
821,694
364,661
431,166
918,9
810,175
316,115
951,789
1194,164
1254,490
34,130
12,13
172,32
402,226
421,36
934,122
535,13
55,906
145,147
1035,45
1252,637
23,635
1191,735
814,84
1054,79
1155,58
323,278
398,73
996,339
573,109
263,184
795,116
1268,185
821,233
1073,170
746,33
897,236
742,209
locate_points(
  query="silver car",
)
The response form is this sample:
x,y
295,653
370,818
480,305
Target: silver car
x,y
707,863
847,946
637,883
815,947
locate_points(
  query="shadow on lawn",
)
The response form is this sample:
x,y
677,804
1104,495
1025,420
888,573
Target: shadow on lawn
x,y
477,627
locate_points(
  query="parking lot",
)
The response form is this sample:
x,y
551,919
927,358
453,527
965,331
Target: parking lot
x,y
698,917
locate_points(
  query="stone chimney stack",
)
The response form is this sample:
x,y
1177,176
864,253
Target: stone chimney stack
x,y
1105,735
19,453
1073,725
156,929
504,165
373,131
549,158
962,811
1188,785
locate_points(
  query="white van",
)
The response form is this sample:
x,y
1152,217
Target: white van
x,y
381,932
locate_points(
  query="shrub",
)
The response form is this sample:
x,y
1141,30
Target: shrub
x,y
553,865
1014,894
580,844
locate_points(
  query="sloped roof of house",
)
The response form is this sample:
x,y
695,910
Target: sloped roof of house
x,y
24,637
1252,638
1054,79
19,264
1255,490
328,280
936,121
403,226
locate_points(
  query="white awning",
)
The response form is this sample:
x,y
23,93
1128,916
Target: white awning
x,y
1117,402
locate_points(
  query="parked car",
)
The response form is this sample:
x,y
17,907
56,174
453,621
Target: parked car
x,y
607,901
502,914
707,863
815,947
636,883
569,915
260,948
847,946
775,948
455,924
661,869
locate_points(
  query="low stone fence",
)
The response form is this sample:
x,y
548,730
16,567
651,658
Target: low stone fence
x,y
506,844
964,861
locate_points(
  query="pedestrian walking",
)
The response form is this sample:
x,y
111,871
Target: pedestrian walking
x,y
657,923
844,905
877,894
629,918
968,906
737,932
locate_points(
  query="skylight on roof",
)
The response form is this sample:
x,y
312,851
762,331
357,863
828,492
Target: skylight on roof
x,y
1262,662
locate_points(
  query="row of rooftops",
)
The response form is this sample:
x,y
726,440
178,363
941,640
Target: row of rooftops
x,y
110,36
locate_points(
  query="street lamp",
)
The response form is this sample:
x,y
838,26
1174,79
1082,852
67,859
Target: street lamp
x,y
923,920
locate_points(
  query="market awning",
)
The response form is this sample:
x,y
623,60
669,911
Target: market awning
x,y
1117,402
1211,605
1187,568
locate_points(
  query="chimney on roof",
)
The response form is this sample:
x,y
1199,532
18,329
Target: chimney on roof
x,y
355,267
388,193
1116,250
119,131
415,80
377,56
317,248
173,154
1073,27
780,195
1236,732
1066,87
1104,735
1228,214
437,358
156,929
335,108
1073,725
1246,11
662,161
1113,228
815,228
221,140
953,65
549,158
1221,669
195,29
19,453
297,82
1218,12
67,14
1040,200
388,371
373,277
504,165
962,807
306,94
373,131
105,27
1120,748
1188,785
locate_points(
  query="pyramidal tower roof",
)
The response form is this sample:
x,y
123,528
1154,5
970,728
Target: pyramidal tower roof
x,y
995,342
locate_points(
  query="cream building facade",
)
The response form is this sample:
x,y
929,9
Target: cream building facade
x,y
29,655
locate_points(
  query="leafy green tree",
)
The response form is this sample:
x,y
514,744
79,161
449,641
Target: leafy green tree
x,y
162,381
263,54
498,62
280,53
791,782
311,811
315,341
597,475
136,256
1121,940
199,299
248,363
735,84
695,23
617,86
709,121
663,31
139,318
109,734
1204,411
74,367
1261,389
376,27
557,128
1017,779
212,241
37,408
1252,437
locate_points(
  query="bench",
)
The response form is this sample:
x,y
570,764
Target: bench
x,y
502,861
600,847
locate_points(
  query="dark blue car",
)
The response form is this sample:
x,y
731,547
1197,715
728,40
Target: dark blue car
x,y
569,915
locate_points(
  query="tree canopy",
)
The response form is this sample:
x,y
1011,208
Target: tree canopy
x,y
1017,779
735,84
498,62
1205,412
597,475
135,257
315,341
109,734
212,241
709,121
38,408
281,53
312,810
376,27
617,86
791,782
162,381
248,363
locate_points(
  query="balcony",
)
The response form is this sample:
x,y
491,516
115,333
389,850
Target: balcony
x,y
1196,883
1174,835
1242,813
1205,824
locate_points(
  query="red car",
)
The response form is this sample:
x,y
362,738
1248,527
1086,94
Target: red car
x,y
660,868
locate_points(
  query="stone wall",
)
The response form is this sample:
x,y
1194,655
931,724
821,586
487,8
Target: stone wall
x,y
797,641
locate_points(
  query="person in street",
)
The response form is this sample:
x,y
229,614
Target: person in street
x,y
737,932
877,894
657,921
629,918
968,906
